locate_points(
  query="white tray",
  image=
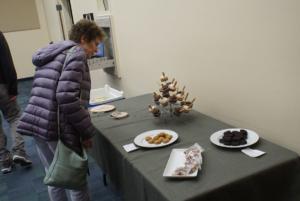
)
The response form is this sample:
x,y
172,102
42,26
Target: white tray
x,y
105,95
176,160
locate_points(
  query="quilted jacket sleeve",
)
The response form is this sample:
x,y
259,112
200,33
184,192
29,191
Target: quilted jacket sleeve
x,y
67,96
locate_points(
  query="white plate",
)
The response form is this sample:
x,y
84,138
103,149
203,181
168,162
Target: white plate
x,y
119,115
176,160
140,139
252,138
103,108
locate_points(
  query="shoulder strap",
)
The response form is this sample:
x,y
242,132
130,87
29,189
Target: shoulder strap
x,y
68,54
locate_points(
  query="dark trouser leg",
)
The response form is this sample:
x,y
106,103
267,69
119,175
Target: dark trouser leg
x,y
3,142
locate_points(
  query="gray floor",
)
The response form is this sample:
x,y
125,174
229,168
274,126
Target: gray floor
x,y
25,184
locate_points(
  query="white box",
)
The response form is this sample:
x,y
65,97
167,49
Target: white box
x,y
105,95
100,63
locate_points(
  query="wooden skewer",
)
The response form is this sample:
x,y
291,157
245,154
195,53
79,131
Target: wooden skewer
x,y
193,100
186,96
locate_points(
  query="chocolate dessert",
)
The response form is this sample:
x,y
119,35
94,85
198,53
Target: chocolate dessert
x,y
234,138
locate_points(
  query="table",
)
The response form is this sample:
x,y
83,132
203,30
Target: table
x,y
226,175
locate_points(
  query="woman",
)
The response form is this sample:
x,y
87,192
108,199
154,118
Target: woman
x,y
63,83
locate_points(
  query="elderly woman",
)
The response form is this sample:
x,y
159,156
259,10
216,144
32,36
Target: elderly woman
x,y
63,83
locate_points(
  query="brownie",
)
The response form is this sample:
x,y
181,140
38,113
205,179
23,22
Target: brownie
x,y
237,133
237,137
228,133
227,143
227,138
235,143
234,138
244,132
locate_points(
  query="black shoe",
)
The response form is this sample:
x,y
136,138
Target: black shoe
x,y
7,165
22,159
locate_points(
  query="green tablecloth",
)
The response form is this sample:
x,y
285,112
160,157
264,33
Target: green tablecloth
x,y
226,175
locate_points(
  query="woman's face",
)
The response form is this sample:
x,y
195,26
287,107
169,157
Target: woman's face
x,y
90,48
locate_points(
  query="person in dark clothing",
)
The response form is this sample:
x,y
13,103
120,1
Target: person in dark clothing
x,y
61,86
10,111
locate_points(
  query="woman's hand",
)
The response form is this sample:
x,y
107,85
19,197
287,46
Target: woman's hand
x,y
87,143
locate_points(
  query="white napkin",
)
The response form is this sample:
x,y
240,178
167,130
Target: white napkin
x,y
253,152
130,147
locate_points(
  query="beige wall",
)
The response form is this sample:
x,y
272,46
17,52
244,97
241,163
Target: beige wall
x,y
80,7
24,43
52,19
239,58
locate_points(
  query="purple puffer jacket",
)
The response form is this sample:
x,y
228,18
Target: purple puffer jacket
x,y
69,88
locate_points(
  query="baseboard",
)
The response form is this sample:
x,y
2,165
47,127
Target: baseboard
x,y
25,78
